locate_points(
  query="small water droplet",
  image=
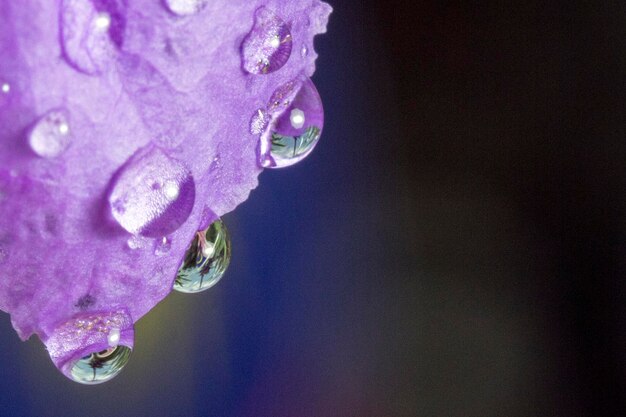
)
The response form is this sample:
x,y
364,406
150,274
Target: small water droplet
x,y
163,246
296,126
5,88
50,136
99,367
185,7
152,194
90,33
268,45
304,51
205,261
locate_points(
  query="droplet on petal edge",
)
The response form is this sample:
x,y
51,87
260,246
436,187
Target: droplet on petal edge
x,y
88,35
51,134
268,45
206,260
92,348
185,7
152,194
296,126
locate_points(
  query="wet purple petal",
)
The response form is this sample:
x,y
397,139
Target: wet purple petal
x,y
154,85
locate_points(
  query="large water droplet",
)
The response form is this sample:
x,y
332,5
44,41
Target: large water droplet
x,y
205,261
268,45
50,135
185,7
99,367
297,122
152,194
89,33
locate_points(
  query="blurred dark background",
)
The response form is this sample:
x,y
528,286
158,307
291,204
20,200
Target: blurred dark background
x,y
455,246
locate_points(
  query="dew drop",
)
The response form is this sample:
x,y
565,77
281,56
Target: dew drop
x,y
296,126
268,45
205,261
90,32
304,51
99,367
185,7
163,246
50,135
152,194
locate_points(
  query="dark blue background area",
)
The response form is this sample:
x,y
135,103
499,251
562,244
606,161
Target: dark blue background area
x,y
455,245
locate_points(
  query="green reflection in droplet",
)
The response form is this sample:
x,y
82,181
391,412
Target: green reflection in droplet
x,y
100,367
205,261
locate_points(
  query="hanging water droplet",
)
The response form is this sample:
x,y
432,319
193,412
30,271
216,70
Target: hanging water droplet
x,y
99,367
185,7
163,246
89,33
50,135
152,194
268,45
205,261
297,122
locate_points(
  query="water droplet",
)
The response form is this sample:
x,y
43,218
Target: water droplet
x,y
50,135
205,261
5,88
163,246
152,194
90,32
185,7
268,45
99,367
297,122
304,51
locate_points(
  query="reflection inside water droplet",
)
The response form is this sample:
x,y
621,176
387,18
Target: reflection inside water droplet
x,y
298,119
268,45
205,261
50,135
100,367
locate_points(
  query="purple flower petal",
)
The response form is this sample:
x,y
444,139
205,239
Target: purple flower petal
x,y
120,118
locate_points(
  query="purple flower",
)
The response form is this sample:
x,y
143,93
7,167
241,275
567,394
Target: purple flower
x,y
128,123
